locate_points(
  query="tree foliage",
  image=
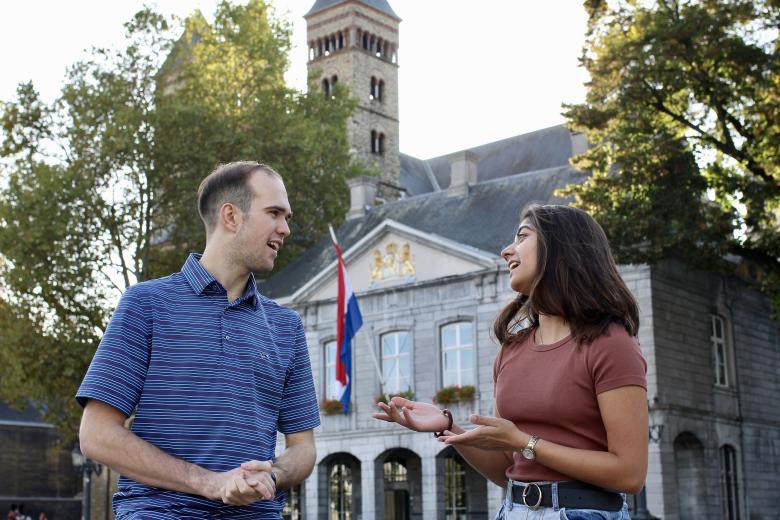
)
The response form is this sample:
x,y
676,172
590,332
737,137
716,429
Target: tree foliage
x,y
682,112
98,188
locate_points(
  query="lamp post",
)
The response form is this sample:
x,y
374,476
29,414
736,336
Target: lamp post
x,y
85,467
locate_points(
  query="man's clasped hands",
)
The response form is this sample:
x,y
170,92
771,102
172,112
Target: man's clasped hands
x,y
245,484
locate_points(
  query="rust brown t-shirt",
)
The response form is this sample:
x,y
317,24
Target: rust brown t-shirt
x,y
550,391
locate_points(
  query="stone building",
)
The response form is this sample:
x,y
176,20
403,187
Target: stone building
x,y
36,468
429,281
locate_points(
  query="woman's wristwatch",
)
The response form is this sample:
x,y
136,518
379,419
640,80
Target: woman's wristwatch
x,y
528,452
448,415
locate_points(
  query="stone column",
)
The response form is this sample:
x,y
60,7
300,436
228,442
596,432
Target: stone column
x,y
311,494
367,492
430,492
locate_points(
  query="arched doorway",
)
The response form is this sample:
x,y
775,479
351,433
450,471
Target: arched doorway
x,y
398,485
691,476
465,490
339,487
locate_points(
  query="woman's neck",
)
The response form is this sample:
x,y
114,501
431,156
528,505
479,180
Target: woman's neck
x,y
551,329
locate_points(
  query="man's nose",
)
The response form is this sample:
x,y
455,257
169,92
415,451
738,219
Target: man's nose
x,y
284,228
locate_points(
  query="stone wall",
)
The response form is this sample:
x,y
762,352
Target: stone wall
x,y
37,472
690,404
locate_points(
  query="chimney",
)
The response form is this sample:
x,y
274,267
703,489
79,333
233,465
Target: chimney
x,y
362,191
463,172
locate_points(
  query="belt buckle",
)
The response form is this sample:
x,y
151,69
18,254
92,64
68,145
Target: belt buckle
x,y
538,503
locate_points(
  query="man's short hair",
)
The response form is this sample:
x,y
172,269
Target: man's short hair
x,y
228,183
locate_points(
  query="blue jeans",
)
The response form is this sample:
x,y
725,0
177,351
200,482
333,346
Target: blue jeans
x,y
515,511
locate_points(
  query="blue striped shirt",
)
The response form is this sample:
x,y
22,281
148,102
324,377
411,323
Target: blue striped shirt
x,y
210,383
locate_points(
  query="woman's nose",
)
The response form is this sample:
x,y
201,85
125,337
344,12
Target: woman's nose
x,y
507,251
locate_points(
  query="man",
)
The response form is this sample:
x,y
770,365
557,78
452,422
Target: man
x,y
210,368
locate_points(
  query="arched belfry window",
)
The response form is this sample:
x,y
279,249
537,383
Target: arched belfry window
x,y
377,142
377,89
326,87
365,40
341,40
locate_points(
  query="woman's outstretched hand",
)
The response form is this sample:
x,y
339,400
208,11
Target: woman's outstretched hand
x,y
491,433
417,416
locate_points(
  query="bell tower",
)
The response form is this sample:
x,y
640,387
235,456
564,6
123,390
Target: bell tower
x,y
355,43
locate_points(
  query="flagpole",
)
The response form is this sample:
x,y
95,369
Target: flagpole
x,y
370,339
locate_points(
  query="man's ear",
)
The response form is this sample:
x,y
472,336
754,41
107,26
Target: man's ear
x,y
230,217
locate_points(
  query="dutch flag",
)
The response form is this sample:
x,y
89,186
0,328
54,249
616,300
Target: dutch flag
x,y
348,321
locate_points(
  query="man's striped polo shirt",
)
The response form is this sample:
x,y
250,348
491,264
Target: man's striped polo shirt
x,y
210,383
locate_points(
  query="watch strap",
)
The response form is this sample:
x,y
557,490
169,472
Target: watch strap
x,y
448,415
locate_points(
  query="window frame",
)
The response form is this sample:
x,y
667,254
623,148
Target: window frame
x,y
729,482
398,355
458,349
326,382
722,353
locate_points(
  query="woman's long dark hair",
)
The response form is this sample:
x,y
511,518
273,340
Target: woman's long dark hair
x,y
577,279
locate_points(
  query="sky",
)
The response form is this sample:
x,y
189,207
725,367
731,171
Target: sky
x,y
471,72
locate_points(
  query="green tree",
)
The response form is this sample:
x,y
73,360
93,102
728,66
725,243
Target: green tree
x,y
98,188
682,112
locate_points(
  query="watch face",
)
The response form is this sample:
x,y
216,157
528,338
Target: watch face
x,y
528,453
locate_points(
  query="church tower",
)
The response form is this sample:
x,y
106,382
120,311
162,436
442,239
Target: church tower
x,y
355,42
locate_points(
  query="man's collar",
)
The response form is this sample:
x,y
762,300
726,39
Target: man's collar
x,y
200,279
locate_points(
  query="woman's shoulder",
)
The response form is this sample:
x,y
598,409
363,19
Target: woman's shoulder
x,y
616,336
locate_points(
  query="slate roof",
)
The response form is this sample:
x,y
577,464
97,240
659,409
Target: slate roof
x,y
485,219
380,5
28,415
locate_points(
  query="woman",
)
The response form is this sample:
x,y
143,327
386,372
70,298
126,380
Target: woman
x,y
570,431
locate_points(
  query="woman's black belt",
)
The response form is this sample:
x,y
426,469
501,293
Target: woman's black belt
x,y
571,494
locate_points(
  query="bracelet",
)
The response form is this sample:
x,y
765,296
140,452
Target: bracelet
x,y
448,415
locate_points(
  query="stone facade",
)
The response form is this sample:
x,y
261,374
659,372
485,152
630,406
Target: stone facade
x,y
701,417
358,45
691,417
37,471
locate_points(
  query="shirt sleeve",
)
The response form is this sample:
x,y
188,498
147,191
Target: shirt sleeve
x,y
299,410
118,369
616,361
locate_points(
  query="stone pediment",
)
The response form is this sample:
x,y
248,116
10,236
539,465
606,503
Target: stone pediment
x,y
394,255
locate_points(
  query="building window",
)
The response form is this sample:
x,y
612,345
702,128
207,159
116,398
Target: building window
x,y
365,40
721,352
396,362
395,470
728,483
377,89
326,87
455,505
292,506
457,353
339,492
331,385
377,142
